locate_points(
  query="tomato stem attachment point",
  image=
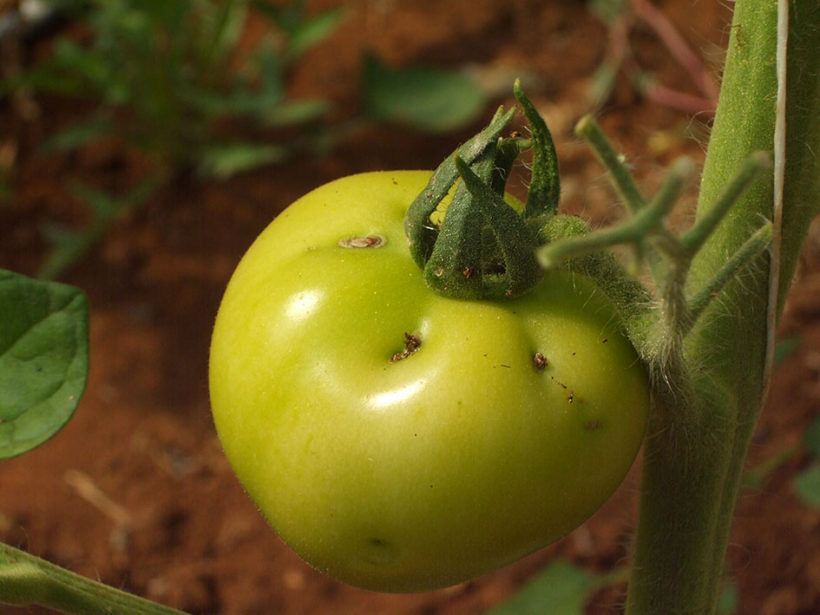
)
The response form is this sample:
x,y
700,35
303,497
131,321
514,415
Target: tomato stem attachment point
x,y
484,248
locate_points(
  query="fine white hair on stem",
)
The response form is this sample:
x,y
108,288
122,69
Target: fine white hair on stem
x,y
779,178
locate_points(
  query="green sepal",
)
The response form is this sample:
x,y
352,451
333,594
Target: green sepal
x,y
545,185
507,153
455,265
512,268
484,248
421,233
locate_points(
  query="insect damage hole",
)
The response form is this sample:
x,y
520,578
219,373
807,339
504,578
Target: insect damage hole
x,y
539,361
367,241
412,343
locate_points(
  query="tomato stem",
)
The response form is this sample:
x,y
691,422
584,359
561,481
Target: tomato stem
x,y
28,580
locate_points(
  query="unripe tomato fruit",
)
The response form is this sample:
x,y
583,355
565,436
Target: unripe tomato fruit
x,y
399,440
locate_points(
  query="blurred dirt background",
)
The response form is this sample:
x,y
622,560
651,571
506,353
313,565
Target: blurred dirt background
x,y
135,490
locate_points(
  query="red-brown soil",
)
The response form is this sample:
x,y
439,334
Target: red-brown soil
x,y
135,490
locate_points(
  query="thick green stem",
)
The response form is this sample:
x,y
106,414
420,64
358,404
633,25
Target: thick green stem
x,y
26,580
706,408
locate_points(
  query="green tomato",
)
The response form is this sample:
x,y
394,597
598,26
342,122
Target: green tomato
x,y
399,440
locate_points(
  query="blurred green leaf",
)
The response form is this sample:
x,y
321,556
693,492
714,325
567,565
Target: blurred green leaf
x,y
43,359
226,27
812,437
727,601
73,137
295,112
223,161
785,348
302,30
561,589
608,11
313,31
68,245
431,100
807,485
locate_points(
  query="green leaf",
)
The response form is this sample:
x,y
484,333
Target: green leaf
x,y
727,601
43,359
812,437
79,134
431,100
561,589
226,160
807,485
311,32
294,112
784,349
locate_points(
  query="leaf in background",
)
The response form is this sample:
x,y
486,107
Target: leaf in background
x,y
312,31
784,349
79,134
224,29
561,589
302,30
295,112
431,100
727,601
43,359
68,245
223,161
807,485
812,437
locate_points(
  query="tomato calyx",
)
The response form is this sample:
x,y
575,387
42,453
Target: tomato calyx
x,y
483,248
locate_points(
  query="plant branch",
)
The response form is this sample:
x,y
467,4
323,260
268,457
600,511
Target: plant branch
x,y
694,239
646,222
26,580
590,130
756,245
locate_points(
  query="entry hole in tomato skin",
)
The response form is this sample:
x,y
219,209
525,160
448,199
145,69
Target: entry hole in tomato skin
x,y
412,343
539,361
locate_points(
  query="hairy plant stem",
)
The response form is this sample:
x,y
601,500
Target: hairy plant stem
x,y
28,580
706,405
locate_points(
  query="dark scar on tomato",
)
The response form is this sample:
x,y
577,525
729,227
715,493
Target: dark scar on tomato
x,y
411,345
368,241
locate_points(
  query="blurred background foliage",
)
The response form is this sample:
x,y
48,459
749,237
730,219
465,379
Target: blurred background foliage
x,y
183,85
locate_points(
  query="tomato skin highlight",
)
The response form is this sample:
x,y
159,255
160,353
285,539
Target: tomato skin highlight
x,y
402,441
